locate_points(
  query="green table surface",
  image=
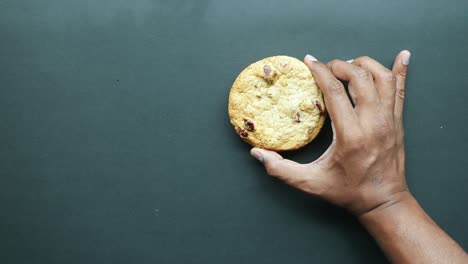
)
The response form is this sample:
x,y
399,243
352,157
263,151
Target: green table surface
x,y
115,143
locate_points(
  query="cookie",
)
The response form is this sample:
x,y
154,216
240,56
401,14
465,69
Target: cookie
x,y
276,104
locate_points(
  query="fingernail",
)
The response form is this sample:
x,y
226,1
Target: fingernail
x,y
310,58
350,61
256,154
405,57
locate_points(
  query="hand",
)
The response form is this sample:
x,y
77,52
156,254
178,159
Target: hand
x,y
364,167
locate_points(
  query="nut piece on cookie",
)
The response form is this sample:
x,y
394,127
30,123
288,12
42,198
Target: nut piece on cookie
x,y
306,105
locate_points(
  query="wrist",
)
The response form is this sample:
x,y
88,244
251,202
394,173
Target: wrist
x,y
395,203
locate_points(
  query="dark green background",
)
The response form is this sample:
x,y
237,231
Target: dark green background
x,y
115,145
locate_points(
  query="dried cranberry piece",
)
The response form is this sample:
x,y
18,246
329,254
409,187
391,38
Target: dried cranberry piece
x,y
241,132
249,124
297,117
266,70
319,106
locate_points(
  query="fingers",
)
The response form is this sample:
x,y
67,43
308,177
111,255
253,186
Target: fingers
x,y
400,68
361,84
298,175
384,79
336,99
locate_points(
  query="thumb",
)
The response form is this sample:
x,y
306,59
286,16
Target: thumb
x,y
400,69
295,174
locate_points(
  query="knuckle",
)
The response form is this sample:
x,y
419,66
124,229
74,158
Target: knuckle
x,y
400,93
335,87
388,76
335,61
402,74
363,59
383,129
354,141
362,73
272,169
353,147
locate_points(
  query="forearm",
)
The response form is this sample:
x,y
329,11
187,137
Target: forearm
x,y
408,235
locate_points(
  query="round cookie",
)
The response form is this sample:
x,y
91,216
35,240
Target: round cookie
x,y
276,104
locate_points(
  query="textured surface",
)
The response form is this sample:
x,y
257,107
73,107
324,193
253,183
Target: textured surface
x,y
116,145
275,104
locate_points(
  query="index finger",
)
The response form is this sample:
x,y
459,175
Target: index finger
x,y
336,99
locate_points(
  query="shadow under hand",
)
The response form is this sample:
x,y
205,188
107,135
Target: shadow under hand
x,y
315,148
319,212
324,218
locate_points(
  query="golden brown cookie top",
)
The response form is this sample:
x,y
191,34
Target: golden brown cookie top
x,y
276,104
